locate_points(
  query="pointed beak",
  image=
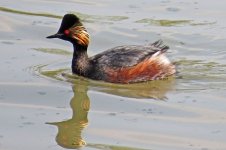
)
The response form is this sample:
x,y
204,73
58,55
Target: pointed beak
x,y
57,35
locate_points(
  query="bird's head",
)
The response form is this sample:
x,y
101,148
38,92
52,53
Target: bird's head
x,y
72,30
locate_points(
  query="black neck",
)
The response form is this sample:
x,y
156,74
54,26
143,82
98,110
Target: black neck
x,y
80,61
79,49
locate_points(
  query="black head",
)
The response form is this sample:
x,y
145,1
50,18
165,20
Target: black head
x,y
72,30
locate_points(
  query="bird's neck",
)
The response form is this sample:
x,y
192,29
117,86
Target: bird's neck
x,y
80,60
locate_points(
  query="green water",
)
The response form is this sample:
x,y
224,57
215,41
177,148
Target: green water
x,y
43,106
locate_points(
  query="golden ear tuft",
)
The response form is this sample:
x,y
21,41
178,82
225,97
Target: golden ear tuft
x,y
81,35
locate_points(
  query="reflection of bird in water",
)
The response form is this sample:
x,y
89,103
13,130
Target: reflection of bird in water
x,y
122,64
69,131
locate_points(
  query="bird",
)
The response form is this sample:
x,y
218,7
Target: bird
x,y
121,65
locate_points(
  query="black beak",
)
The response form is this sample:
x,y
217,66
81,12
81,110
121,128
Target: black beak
x,y
57,35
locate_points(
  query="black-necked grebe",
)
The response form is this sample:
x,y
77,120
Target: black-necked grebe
x,y
122,64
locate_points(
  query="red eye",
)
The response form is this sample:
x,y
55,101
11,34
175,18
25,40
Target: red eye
x,y
66,32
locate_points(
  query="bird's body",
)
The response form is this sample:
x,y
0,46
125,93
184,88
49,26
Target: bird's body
x,y
122,64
